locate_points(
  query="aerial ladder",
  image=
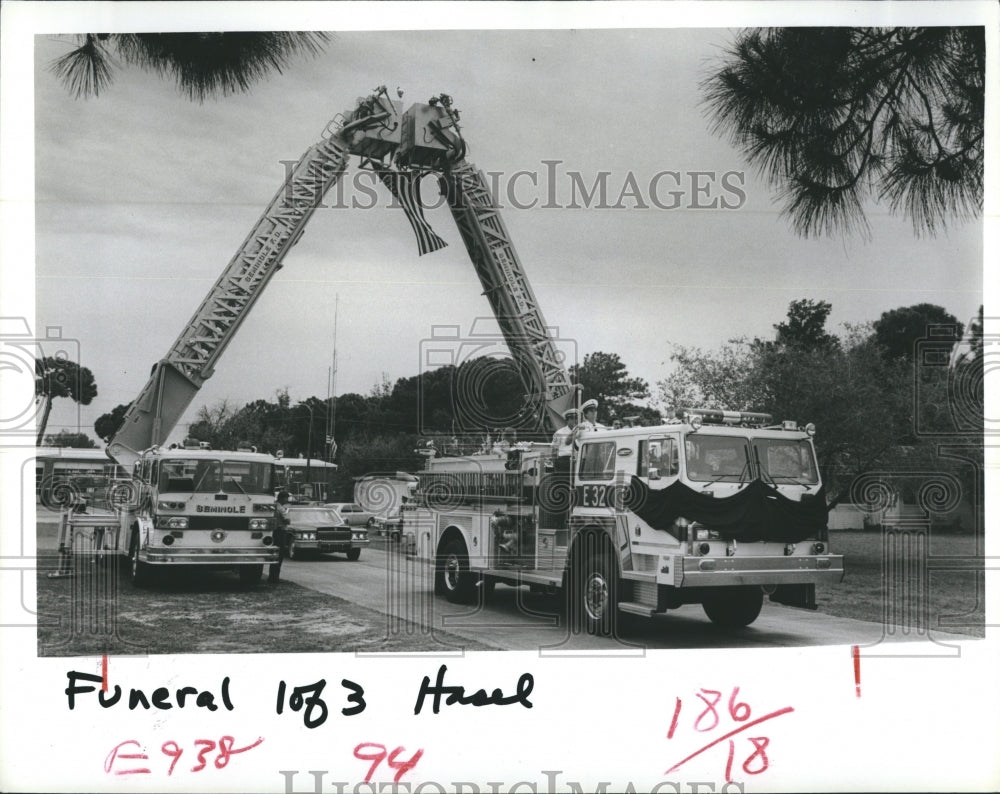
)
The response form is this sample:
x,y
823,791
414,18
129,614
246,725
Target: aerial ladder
x,y
425,139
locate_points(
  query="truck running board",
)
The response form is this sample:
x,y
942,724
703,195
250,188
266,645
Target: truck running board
x,y
636,609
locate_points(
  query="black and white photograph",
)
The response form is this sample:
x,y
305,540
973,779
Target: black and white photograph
x,y
498,397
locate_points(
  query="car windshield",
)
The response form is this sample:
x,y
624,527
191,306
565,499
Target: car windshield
x,y
208,475
716,458
787,460
315,515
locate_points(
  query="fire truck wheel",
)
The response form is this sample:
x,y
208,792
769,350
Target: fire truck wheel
x,y
273,572
353,554
251,574
138,571
734,607
594,593
453,577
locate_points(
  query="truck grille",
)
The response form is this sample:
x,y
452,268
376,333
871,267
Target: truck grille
x,y
329,534
229,523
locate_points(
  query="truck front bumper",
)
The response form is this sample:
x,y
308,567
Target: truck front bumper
x,y
162,556
695,571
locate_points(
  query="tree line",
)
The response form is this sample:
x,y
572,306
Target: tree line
x,y
887,397
456,408
884,396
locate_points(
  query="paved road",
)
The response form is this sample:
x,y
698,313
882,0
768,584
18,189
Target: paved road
x,y
515,619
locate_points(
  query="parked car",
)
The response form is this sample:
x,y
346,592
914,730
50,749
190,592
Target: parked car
x,y
390,526
321,530
353,513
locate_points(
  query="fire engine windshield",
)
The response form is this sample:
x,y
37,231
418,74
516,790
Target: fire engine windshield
x,y
213,476
787,460
716,458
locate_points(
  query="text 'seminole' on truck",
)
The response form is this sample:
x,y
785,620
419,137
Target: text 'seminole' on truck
x,y
717,508
202,507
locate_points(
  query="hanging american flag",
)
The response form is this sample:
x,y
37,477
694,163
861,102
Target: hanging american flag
x,y
405,188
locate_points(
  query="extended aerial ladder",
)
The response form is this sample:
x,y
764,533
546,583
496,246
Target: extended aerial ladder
x,y
424,139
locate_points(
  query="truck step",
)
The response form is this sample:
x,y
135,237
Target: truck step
x,y
636,609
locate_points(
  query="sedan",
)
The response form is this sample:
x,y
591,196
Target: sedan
x,y
321,530
353,513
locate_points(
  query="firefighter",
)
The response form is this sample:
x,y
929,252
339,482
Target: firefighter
x,y
590,422
562,439
281,521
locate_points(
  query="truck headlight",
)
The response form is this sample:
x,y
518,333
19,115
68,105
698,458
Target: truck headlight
x,y
171,522
164,505
260,523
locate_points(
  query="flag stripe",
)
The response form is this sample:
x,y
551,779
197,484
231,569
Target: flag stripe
x,y
405,188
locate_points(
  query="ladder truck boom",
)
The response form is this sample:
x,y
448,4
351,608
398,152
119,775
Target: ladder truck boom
x,y
441,149
506,287
178,376
426,139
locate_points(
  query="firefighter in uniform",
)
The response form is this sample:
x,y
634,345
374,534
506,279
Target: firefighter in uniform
x,y
562,439
281,521
590,422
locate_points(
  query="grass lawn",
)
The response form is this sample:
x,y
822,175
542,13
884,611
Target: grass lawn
x,y
99,611
922,581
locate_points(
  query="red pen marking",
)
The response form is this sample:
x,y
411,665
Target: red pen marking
x,y
171,749
673,722
109,761
226,750
376,758
856,653
104,673
729,761
722,738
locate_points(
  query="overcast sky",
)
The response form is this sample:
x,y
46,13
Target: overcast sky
x,y
143,197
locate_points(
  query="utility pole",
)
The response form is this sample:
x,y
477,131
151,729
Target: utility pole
x,y
331,413
309,443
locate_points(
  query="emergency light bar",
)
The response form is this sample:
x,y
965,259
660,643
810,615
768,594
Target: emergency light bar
x,y
714,417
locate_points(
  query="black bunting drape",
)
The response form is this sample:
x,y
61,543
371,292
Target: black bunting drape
x,y
757,512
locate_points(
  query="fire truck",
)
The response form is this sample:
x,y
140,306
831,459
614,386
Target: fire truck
x,y
182,505
198,506
716,508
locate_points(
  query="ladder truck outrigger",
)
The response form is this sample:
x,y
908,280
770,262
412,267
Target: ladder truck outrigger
x,y
626,522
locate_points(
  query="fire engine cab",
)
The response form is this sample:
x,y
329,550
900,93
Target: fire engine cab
x,y
715,507
201,507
